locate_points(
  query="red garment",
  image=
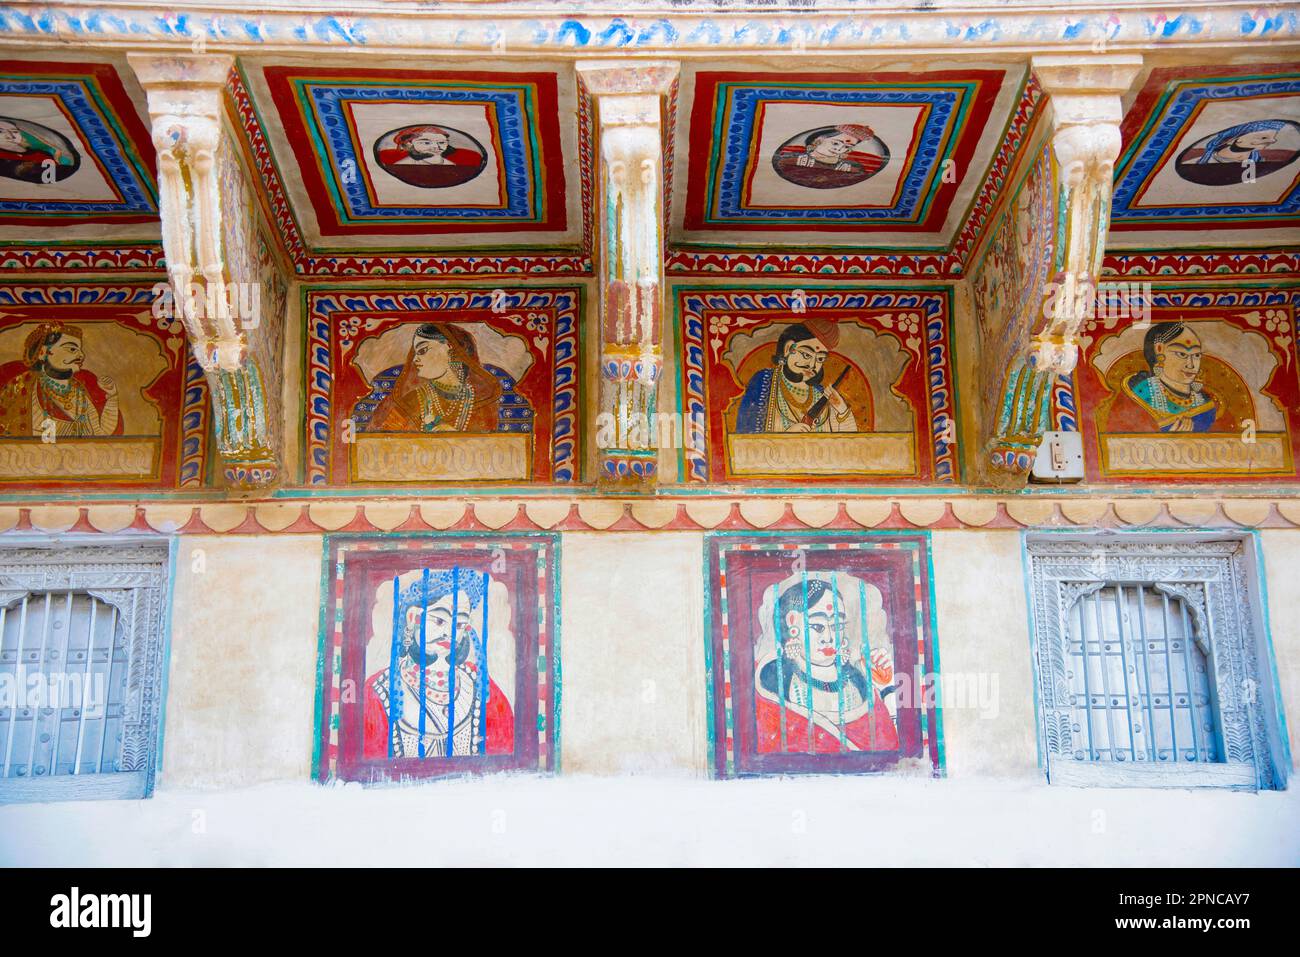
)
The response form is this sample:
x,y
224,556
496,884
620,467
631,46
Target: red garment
x,y
882,736
460,157
500,721
18,382
870,162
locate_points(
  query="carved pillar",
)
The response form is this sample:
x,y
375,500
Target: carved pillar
x,y
1085,92
215,284
630,227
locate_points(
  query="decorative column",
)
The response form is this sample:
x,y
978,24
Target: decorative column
x,y
210,246
1084,91
630,226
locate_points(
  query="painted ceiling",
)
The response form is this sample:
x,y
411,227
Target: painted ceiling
x,y
76,157
891,158
405,160
489,168
1211,158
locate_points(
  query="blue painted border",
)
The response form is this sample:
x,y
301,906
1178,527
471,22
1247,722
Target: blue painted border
x,y
1179,107
739,130
510,105
136,194
1282,768
169,611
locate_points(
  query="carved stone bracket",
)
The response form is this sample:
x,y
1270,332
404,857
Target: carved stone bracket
x,y
1085,95
1085,92
185,96
628,97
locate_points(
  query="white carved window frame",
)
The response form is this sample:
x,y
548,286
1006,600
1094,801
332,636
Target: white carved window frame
x,y
1216,575
133,575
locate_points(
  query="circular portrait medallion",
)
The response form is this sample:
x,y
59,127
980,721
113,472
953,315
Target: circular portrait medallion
x,y
1241,153
431,157
831,157
34,153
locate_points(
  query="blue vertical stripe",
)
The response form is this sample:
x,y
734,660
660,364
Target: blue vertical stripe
x,y
393,676
484,682
451,670
424,614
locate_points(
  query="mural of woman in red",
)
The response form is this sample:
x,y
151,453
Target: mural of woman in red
x,y
442,387
837,690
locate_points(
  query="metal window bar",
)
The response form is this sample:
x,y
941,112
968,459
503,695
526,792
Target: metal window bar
x,y
477,712
66,662
1139,681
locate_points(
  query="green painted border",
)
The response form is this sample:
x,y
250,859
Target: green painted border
x,y
958,126
941,771
346,218
327,599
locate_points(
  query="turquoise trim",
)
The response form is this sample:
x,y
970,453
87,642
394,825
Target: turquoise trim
x,y
935,669
322,644
169,607
1281,768
556,676
709,705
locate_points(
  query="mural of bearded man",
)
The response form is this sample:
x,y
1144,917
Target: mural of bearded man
x,y
50,384
792,396
437,678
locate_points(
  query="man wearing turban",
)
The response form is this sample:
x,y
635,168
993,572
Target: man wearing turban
x,y
49,384
788,396
829,157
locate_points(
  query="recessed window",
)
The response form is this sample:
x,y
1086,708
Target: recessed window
x,y
81,653
1151,669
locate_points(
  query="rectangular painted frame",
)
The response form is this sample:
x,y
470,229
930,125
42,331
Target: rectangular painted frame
x,y
725,758
542,753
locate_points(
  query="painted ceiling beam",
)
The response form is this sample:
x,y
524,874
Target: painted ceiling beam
x,y
630,175
654,29
199,229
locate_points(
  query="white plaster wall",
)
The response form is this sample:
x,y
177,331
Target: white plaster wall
x,y
523,820
1281,573
632,653
242,682
989,725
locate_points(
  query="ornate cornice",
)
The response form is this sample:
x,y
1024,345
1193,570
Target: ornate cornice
x,y
663,513
650,27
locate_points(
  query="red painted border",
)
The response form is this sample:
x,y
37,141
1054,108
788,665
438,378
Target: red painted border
x,y
547,122
701,132
141,141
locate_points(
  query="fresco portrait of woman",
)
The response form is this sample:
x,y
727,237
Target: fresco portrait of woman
x,y
441,387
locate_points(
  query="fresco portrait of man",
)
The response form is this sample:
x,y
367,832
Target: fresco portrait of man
x,y
792,395
50,383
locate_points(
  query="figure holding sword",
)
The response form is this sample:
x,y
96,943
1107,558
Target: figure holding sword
x,y
791,396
